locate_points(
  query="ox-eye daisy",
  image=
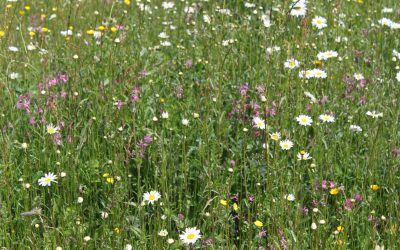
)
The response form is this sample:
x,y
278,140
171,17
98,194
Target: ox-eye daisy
x,y
303,156
286,144
151,197
291,63
319,22
51,129
190,236
47,179
327,118
258,123
275,136
304,120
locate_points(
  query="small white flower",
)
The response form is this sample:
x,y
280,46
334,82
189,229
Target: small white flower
x,y
185,122
327,118
291,63
304,120
290,197
303,156
170,241
30,47
167,5
286,144
398,76
259,123
47,179
317,73
358,76
87,238
165,43
298,8
355,128
313,226
163,35
165,115
190,235
374,114
80,200
14,75
319,22
128,247
104,215
163,233
151,197
13,49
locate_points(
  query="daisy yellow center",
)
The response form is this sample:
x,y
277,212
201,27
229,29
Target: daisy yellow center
x,y
51,130
318,73
275,137
47,180
292,64
190,236
304,120
285,145
152,197
319,22
329,54
259,124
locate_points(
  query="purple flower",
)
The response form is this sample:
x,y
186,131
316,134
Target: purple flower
x,y
135,96
324,184
348,204
52,82
251,199
181,216
235,198
24,102
358,198
57,139
396,152
147,138
32,120
208,242
62,77
243,89
262,233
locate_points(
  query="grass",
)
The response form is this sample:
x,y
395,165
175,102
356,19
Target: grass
x,y
110,81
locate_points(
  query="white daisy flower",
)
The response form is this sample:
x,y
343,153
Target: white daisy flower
x,y
355,128
298,8
317,73
259,123
319,22
275,136
304,120
51,129
290,197
374,114
326,118
303,156
291,63
190,236
47,179
151,196
358,76
286,144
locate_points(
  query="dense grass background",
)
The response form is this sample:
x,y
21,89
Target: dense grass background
x,y
214,158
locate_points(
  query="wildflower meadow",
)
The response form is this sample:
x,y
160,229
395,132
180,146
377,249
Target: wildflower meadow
x,y
200,124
